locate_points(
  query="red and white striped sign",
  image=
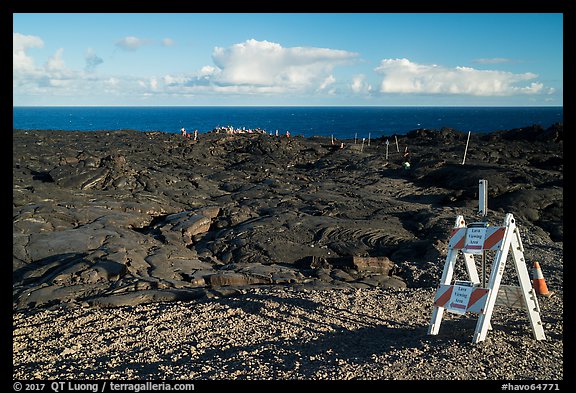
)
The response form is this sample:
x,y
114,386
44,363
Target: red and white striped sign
x,y
492,239
476,301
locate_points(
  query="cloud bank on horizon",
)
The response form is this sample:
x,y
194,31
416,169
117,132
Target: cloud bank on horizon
x,y
404,76
265,69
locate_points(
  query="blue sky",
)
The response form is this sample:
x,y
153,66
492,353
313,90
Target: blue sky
x,y
487,59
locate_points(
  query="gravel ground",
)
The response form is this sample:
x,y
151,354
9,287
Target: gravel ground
x,y
285,333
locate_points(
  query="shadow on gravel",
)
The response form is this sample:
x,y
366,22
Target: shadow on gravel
x,y
332,341
301,358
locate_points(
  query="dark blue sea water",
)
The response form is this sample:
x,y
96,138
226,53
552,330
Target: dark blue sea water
x,y
341,122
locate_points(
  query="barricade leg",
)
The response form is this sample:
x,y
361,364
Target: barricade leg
x,y
448,271
531,300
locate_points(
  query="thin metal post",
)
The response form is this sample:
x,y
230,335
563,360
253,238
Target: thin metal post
x,y
483,211
387,143
466,150
483,198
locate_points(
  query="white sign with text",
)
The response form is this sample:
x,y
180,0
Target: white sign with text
x,y
460,297
474,240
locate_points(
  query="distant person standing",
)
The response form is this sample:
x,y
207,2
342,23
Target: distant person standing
x,y
183,132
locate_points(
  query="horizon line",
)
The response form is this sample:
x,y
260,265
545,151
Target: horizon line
x,y
293,106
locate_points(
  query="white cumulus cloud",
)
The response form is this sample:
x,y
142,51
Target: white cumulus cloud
x,y
264,64
208,70
56,62
359,84
21,60
28,76
404,76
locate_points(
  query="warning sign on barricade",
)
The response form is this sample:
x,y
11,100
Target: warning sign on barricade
x,y
475,235
461,297
476,239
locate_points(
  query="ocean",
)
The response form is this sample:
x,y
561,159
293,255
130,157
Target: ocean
x,y
340,122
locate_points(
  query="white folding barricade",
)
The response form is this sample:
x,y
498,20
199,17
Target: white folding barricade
x,y
473,295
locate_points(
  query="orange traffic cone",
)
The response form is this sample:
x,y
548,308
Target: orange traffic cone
x,y
538,282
